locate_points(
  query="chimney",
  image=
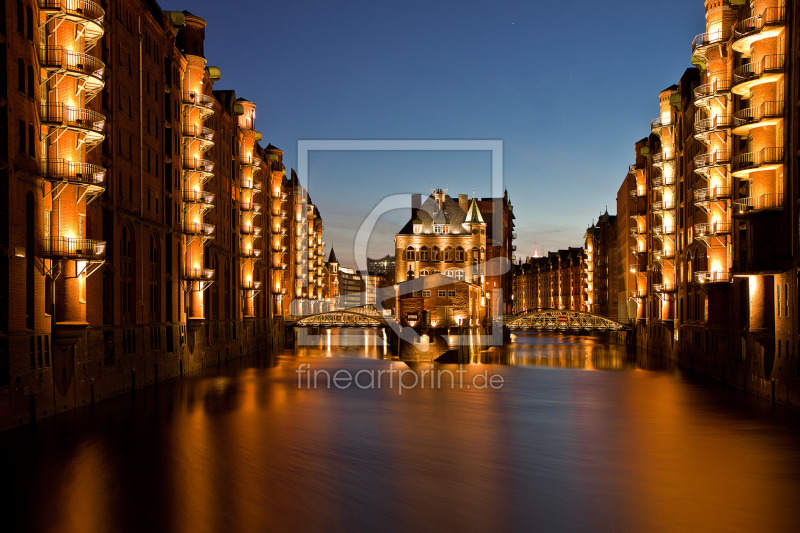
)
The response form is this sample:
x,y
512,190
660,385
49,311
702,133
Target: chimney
x,y
463,202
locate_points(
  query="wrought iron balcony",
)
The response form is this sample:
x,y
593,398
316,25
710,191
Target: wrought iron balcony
x,y
768,69
85,174
711,194
659,124
198,274
250,230
659,182
705,162
663,230
636,231
71,248
252,252
764,159
715,276
203,102
636,250
202,198
251,206
704,41
706,126
86,68
639,294
251,185
661,158
85,121
198,228
756,204
766,114
660,206
87,14
706,229
719,88
251,285
198,133
664,287
767,24
251,161
203,166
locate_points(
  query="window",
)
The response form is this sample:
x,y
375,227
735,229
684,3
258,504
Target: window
x,y
29,21
448,254
22,137
31,141
459,254
459,275
442,294
451,294
30,81
423,273
448,273
127,276
426,293
410,253
21,76
20,17
435,254
423,253
417,228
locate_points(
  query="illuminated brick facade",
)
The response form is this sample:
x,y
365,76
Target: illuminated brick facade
x,y
554,281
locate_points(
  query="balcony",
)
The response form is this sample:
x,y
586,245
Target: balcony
x,y
636,250
198,228
198,274
201,166
202,198
82,174
86,122
250,230
661,255
660,206
247,123
201,134
639,294
716,276
251,206
661,158
719,88
660,231
704,42
758,204
659,182
769,69
87,69
658,125
251,185
664,287
70,248
767,114
765,159
635,231
713,229
703,163
202,102
87,14
252,161
768,24
251,253
710,195
705,127
251,285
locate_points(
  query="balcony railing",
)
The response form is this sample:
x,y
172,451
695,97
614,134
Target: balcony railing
x,y
252,252
703,229
81,9
771,16
715,276
750,72
754,115
197,165
663,157
765,202
198,100
198,274
636,231
639,294
711,194
198,228
664,287
72,172
713,124
664,230
703,41
86,121
755,160
252,161
200,133
57,58
251,184
656,125
661,255
662,181
636,250
660,205
713,159
251,285
251,206
71,248
198,197
715,89
250,230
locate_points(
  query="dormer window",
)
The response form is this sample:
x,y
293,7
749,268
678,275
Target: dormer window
x,y
417,228
441,228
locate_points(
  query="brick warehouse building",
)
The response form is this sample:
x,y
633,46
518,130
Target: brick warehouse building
x,y
708,254
450,237
132,228
554,281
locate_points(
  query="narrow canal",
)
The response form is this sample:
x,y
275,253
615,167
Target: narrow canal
x,y
546,433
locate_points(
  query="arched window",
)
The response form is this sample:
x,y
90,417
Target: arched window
x,y
21,76
423,253
423,273
410,253
459,274
435,254
448,273
448,254
127,276
29,15
20,17
459,254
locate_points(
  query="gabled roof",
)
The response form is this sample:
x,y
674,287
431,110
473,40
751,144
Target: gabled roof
x,y
449,213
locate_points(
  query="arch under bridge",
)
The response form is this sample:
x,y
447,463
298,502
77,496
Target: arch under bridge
x,y
364,316
560,320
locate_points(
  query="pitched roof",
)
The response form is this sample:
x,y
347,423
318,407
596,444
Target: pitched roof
x,y
332,257
474,214
430,213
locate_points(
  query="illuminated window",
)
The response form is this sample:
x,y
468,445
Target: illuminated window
x,y
423,253
435,253
410,253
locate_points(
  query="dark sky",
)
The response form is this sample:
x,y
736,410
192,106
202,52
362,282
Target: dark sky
x,y
568,86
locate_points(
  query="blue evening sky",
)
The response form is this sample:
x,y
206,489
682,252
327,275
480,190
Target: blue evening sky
x,y
568,86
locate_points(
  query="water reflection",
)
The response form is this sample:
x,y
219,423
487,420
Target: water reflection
x,y
366,343
243,448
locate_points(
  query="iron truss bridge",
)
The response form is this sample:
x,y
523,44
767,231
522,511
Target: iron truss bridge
x,y
560,320
355,317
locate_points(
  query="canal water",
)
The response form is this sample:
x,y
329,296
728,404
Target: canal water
x,y
546,433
